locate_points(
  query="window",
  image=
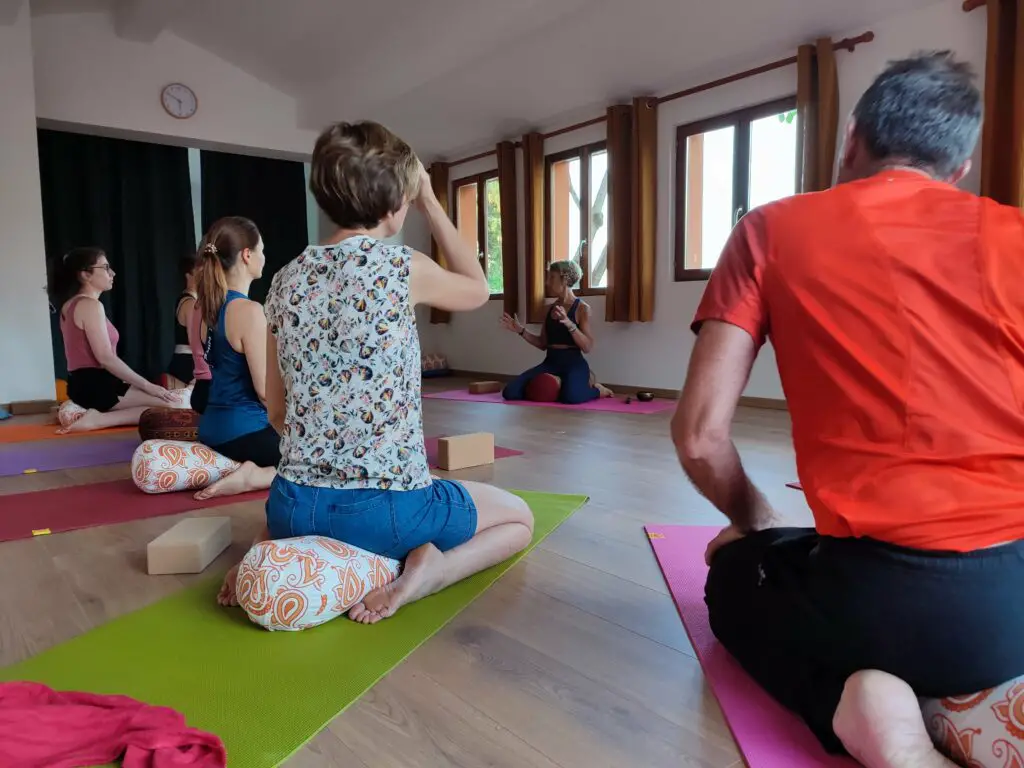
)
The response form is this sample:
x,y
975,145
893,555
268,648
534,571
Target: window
x,y
480,225
725,167
576,221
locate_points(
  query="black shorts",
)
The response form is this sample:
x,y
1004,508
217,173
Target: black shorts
x,y
95,388
200,395
182,368
801,613
262,448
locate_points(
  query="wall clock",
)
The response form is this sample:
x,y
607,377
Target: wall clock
x,y
179,101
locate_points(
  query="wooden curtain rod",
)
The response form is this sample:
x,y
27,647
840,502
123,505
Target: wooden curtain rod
x,y
846,44
970,5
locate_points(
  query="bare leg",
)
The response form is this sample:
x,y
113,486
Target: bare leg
x,y
92,420
228,596
247,477
504,527
880,723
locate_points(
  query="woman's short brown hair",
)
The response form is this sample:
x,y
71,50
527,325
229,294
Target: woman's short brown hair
x,y
361,172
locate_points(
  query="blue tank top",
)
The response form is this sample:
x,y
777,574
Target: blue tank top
x,y
558,333
234,409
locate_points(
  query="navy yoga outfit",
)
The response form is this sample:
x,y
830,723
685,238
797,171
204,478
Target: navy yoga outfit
x,y
569,365
234,421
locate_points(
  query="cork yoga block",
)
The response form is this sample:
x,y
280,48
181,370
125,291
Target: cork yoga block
x,y
464,451
189,546
484,387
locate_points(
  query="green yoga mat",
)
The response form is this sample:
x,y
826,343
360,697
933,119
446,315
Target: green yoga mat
x,y
264,693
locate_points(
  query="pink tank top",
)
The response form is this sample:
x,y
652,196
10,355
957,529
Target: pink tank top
x,y
200,369
76,344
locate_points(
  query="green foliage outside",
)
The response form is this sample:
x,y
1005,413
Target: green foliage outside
x,y
495,275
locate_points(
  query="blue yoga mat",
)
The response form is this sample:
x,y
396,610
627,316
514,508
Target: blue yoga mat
x,y
22,458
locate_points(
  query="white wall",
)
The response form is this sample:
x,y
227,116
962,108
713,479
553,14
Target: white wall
x,y
27,372
655,354
86,75
940,26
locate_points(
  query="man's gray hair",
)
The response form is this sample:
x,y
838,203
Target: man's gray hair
x,y
924,111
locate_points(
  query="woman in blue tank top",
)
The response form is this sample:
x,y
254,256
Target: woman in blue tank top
x,y
565,336
235,421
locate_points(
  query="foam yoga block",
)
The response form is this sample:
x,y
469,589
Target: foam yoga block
x,y
180,424
189,546
163,466
464,451
484,387
299,583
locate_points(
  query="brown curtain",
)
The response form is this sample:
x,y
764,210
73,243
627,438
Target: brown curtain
x,y
633,201
509,224
817,97
439,183
533,207
1002,161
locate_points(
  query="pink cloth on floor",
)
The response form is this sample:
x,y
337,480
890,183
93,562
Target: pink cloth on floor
x,y
43,728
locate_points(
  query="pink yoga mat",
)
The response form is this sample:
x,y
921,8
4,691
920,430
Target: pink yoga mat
x,y
24,515
500,452
606,404
768,735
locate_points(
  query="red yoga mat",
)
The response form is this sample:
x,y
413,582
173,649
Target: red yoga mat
x,y
24,515
768,735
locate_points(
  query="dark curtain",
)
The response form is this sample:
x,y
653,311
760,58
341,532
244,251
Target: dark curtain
x,y
133,200
533,226
1002,145
817,104
509,194
633,193
439,173
270,192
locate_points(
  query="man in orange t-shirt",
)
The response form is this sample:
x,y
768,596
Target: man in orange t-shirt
x,y
895,304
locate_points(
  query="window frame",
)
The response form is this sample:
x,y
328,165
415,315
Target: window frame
x,y
480,180
741,119
583,153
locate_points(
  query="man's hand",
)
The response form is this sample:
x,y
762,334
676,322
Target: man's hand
x,y
726,536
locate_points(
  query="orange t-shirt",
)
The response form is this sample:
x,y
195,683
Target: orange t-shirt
x,y
895,305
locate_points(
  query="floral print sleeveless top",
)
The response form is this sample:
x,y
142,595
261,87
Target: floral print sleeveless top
x,y
349,355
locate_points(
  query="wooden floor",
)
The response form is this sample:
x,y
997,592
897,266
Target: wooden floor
x,y
575,658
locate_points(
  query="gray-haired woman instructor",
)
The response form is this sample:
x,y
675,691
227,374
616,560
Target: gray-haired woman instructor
x,y
565,336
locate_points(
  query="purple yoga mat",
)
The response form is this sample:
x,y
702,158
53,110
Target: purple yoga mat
x,y
22,458
607,404
768,735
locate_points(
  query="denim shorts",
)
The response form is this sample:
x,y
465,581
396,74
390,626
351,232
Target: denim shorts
x,y
388,523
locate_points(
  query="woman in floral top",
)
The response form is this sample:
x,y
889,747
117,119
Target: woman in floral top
x,y
345,394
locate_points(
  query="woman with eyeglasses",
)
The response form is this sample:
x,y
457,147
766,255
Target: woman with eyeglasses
x,y
98,380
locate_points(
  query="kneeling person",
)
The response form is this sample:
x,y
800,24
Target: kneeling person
x,y
893,304
343,381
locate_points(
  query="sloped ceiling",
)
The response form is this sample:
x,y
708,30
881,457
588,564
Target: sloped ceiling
x,y
451,74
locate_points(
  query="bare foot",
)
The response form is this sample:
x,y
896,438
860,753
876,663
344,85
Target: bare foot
x,y
87,422
422,575
880,723
227,596
242,480
605,392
